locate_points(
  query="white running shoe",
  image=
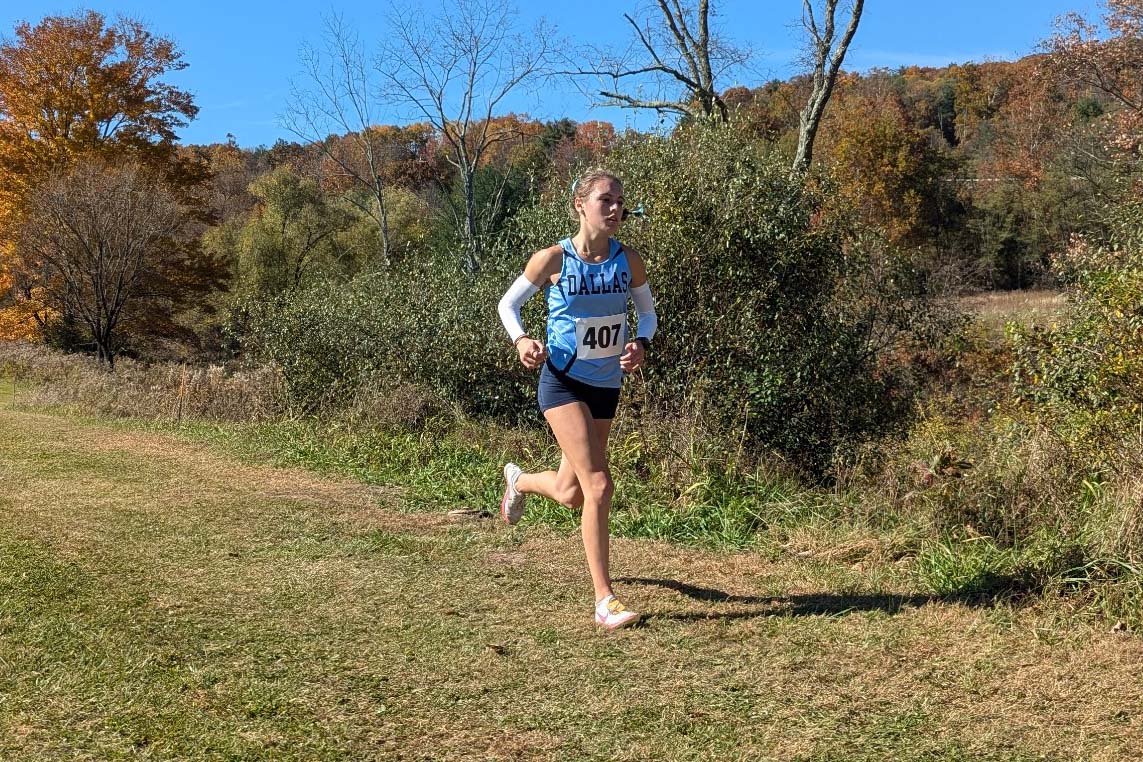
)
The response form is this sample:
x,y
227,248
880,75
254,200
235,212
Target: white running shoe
x,y
611,614
512,506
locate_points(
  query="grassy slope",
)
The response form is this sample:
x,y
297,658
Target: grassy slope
x,y
161,600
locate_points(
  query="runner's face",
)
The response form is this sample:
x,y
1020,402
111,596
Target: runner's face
x,y
603,207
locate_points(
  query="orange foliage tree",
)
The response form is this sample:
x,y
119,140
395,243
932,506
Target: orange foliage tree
x,y
595,136
410,157
891,172
1112,67
77,87
17,315
1029,130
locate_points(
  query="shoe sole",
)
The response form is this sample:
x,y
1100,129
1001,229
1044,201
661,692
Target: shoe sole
x,y
625,623
504,507
504,501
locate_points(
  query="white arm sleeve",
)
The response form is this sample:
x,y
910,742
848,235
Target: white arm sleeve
x,y
519,292
645,308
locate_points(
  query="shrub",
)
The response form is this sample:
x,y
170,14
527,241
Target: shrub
x,y
430,324
1084,376
780,329
998,477
773,323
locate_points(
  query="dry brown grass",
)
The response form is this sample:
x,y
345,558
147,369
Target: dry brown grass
x,y
175,604
995,308
159,391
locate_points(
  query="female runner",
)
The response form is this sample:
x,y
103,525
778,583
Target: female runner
x,y
587,280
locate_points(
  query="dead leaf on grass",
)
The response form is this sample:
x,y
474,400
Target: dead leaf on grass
x,y
513,558
461,514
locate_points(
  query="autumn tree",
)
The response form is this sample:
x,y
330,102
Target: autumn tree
x,y
231,169
74,87
1111,67
1029,129
980,91
455,73
17,315
104,241
890,172
769,112
289,152
596,136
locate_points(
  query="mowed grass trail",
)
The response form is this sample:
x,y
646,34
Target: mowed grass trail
x,y
160,600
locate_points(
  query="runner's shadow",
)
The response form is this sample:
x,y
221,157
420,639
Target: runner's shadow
x,y
699,593
817,604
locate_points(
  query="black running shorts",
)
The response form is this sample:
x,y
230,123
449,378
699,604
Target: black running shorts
x,y
560,389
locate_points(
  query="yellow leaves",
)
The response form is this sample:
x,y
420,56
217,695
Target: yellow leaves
x,y
17,315
72,84
886,168
18,323
76,87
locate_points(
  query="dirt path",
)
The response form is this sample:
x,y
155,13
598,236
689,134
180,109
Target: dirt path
x,y
160,600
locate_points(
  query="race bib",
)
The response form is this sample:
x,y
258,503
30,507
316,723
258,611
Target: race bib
x,y
597,337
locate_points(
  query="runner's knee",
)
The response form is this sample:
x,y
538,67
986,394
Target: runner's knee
x,y
597,486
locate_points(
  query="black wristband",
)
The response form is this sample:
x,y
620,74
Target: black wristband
x,y
645,342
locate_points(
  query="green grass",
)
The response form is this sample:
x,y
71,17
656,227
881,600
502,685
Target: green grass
x,y
454,464
161,598
444,467
10,390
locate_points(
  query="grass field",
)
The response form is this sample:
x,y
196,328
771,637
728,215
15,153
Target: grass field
x,y
160,599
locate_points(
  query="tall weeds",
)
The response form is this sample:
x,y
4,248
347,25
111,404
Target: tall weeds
x,y
159,391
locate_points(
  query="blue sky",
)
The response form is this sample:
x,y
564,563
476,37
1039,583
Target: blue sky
x,y
242,56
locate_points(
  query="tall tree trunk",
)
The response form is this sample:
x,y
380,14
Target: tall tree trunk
x,y
383,212
472,240
827,63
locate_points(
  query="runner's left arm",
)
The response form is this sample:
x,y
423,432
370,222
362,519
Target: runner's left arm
x,y
641,296
648,320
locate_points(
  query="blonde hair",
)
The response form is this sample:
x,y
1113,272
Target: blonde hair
x,y
583,184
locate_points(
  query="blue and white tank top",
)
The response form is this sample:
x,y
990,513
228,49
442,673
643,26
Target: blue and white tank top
x,y
587,316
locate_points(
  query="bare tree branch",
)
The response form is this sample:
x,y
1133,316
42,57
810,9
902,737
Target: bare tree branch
x,y
684,43
691,83
338,97
626,101
102,238
455,74
680,67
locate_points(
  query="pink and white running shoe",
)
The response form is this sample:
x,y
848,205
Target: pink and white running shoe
x,y
512,506
611,614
